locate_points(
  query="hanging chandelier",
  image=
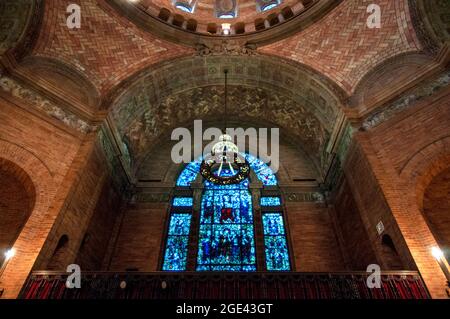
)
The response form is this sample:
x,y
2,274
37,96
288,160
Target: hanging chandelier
x,y
225,165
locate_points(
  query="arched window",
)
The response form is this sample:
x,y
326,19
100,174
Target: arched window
x,y
226,9
185,5
266,5
224,234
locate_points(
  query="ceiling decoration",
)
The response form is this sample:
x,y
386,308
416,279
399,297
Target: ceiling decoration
x,y
14,16
255,22
225,165
431,21
206,102
103,49
296,82
341,47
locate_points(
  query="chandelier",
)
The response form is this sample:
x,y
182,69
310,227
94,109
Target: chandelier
x,y
225,165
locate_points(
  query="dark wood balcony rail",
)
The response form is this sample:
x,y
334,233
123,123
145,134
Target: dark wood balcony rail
x,y
232,286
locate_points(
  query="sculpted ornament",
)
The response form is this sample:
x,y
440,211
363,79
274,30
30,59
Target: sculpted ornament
x,y
225,48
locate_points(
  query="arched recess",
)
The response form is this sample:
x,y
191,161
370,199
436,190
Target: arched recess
x,y
436,209
416,176
32,237
261,87
56,262
63,80
389,74
17,197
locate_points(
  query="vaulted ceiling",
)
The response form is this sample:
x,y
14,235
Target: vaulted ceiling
x,y
302,75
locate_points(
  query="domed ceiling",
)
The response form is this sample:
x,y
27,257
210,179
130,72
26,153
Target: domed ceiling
x,y
296,64
219,18
222,11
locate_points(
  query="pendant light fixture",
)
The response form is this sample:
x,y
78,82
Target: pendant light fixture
x,y
225,165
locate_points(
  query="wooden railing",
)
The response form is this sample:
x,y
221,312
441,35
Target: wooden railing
x,y
232,286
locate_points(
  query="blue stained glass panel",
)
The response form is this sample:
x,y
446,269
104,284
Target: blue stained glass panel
x,y
261,169
277,254
273,224
176,253
189,173
183,201
226,236
179,224
175,256
270,201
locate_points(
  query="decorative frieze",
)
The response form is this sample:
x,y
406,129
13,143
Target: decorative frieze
x,y
406,101
44,105
305,197
225,48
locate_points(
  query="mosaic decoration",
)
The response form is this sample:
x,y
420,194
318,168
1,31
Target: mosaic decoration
x,y
277,255
285,112
270,201
261,169
226,236
182,202
13,21
407,101
175,256
42,104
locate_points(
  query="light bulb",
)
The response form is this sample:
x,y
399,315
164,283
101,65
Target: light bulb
x,y
437,253
226,28
10,254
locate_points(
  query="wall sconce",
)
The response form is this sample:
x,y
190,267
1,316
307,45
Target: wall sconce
x,y
439,256
226,28
8,255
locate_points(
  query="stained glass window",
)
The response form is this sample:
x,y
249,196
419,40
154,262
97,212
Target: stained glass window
x,y
175,256
182,202
226,236
189,174
226,240
261,169
277,255
270,201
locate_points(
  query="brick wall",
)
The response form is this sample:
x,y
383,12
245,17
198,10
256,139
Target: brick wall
x,y
139,241
384,170
313,238
98,234
45,152
16,203
354,234
436,208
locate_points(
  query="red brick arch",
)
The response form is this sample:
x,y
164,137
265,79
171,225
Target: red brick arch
x,y
424,165
30,239
416,175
